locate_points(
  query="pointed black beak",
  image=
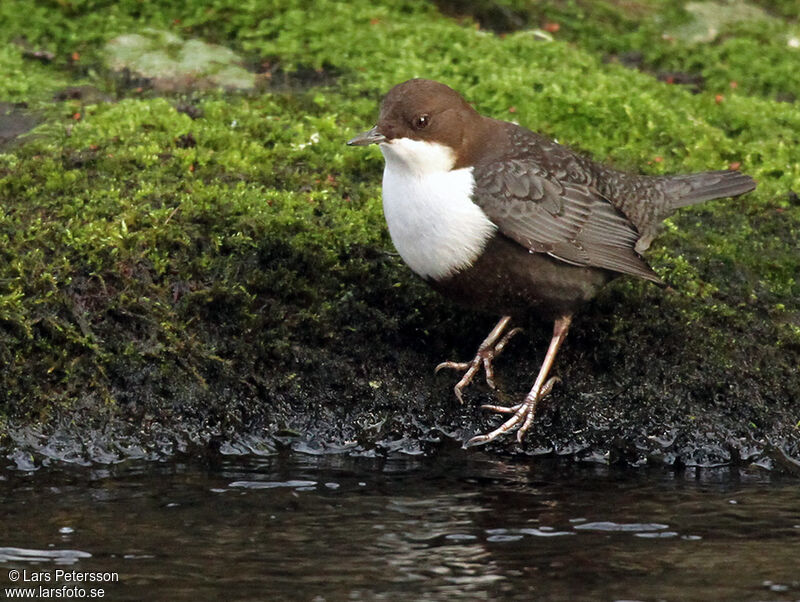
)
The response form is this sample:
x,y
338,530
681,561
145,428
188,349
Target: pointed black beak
x,y
372,136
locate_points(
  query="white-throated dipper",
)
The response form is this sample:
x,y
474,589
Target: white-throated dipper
x,y
505,220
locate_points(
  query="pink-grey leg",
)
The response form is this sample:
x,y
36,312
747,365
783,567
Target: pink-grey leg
x,y
523,414
487,352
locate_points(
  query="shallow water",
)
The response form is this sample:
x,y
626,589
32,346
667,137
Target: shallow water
x,y
458,525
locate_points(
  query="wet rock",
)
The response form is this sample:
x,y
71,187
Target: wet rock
x,y
226,285
171,64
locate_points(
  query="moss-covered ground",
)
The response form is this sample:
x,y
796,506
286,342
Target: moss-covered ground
x,y
212,267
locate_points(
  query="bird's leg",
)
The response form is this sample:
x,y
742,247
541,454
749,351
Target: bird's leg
x,y
488,351
523,413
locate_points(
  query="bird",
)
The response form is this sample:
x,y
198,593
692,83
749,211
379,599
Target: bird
x,y
510,222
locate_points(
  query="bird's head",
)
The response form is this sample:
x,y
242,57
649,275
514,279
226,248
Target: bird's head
x,y
423,125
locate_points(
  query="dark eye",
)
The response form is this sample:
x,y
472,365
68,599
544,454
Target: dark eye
x,y
421,121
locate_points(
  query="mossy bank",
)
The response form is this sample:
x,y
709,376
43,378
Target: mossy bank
x,y
200,263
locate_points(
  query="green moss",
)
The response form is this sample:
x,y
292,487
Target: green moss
x,y
728,41
24,81
150,254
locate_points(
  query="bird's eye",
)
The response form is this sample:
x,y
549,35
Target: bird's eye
x,y
421,121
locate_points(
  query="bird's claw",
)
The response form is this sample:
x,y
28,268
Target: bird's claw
x,y
521,413
506,338
451,365
486,354
471,369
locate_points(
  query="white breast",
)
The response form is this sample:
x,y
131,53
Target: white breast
x,y
434,224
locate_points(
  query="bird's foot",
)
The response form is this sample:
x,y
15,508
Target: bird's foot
x,y
522,415
487,352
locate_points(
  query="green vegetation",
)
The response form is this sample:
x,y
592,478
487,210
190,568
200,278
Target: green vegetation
x,y
222,256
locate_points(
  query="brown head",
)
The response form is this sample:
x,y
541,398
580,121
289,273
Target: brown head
x,y
426,111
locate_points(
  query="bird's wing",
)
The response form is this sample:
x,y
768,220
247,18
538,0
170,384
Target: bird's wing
x,y
572,222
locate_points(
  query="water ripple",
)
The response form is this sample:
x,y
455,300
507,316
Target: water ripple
x,y
626,527
30,555
273,484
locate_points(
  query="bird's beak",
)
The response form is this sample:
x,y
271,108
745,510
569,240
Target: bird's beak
x,y
372,136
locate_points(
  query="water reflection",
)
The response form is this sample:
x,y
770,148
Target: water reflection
x,y
455,526
22,555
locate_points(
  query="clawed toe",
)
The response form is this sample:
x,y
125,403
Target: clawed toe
x,y
451,366
522,415
500,409
498,349
487,352
470,368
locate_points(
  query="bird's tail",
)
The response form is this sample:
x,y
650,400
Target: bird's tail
x,y
682,191
696,188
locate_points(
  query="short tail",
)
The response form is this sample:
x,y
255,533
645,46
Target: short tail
x,y
682,191
696,188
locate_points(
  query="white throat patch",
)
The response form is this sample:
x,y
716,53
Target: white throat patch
x,y
434,224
